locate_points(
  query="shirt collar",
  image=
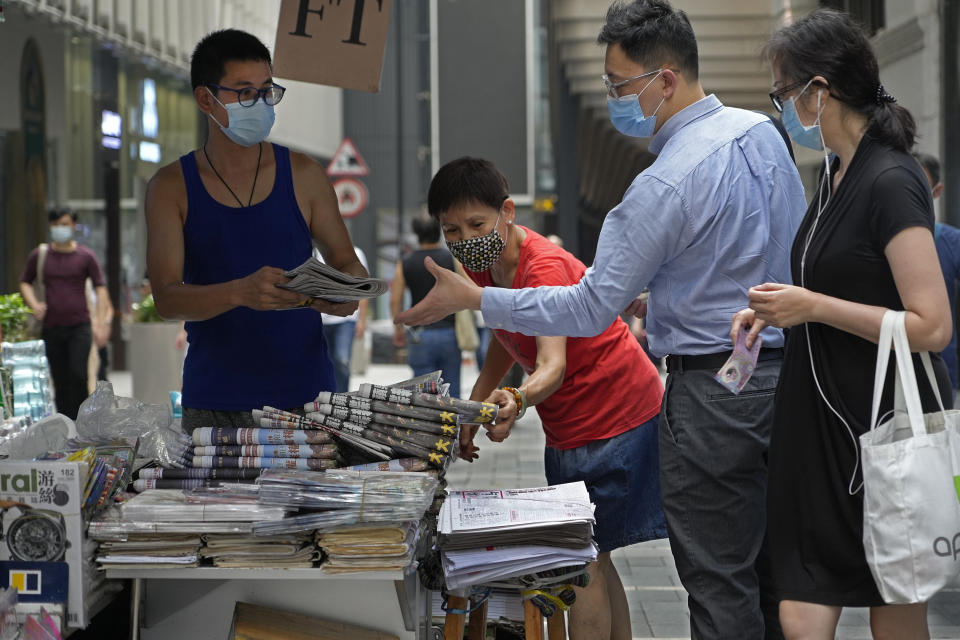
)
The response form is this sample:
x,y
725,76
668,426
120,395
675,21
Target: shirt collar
x,y
682,118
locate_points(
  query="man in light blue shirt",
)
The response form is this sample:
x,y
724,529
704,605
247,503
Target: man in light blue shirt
x,y
715,213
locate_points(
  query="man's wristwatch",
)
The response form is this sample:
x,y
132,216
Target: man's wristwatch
x,y
520,398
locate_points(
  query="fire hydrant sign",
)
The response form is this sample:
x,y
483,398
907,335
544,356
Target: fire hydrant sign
x,y
333,42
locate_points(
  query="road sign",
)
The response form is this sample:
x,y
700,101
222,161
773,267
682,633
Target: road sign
x,y
352,196
347,161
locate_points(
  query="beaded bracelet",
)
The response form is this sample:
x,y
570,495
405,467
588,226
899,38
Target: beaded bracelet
x,y
520,398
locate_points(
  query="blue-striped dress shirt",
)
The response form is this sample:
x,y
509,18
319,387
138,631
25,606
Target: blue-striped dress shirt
x,y
714,215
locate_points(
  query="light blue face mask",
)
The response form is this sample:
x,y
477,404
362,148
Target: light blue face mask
x,y
248,125
627,117
809,137
61,233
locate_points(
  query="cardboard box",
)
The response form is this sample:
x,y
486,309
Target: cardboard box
x,y
41,528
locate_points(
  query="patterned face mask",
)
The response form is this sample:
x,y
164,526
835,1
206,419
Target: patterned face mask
x,y
479,254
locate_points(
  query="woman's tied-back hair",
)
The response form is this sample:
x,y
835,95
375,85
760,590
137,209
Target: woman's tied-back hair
x,y
654,35
829,43
466,180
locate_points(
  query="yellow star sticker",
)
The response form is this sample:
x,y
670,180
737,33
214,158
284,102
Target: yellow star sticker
x,y
442,445
448,429
486,413
435,458
447,416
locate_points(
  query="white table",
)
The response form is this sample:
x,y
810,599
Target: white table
x,y
197,602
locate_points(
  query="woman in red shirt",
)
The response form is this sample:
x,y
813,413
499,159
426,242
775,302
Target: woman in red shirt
x,y
597,398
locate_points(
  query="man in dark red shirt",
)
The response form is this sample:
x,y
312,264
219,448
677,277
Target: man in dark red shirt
x,y
62,307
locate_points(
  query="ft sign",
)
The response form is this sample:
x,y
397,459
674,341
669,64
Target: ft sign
x,y
333,42
348,165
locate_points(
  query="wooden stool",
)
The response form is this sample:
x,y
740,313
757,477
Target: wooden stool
x,y
532,621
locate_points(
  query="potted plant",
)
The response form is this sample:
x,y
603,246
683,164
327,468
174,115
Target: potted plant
x,y
154,360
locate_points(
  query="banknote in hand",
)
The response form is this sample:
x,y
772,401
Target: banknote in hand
x,y
736,371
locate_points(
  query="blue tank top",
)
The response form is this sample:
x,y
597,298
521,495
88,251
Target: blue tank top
x,y
245,359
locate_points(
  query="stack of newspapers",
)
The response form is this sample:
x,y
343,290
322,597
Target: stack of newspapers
x,y
165,528
408,423
371,548
341,498
486,536
279,443
315,279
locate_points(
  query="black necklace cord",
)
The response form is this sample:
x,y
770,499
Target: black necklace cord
x,y
255,175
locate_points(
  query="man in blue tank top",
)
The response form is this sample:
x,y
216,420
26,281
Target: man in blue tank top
x,y
223,224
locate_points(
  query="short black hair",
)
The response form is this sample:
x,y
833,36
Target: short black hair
x,y
466,180
211,55
653,34
427,230
931,164
55,214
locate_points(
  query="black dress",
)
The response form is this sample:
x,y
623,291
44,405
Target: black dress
x,y
814,525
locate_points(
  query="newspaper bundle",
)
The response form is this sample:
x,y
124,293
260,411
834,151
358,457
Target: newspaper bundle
x,y
315,279
490,535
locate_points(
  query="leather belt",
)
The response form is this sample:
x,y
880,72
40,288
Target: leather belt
x,y
713,361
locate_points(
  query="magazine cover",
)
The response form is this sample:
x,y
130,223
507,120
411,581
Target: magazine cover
x,y
41,527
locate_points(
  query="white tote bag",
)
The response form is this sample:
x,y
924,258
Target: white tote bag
x,y
911,494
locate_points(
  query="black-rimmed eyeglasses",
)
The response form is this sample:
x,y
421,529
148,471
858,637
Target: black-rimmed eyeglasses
x,y
776,97
248,96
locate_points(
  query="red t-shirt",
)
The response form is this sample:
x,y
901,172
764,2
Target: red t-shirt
x,y
65,276
610,386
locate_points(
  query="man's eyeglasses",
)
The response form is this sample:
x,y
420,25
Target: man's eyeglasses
x,y
248,95
612,87
776,97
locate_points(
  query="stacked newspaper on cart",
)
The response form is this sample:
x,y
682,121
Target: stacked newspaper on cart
x,y
315,279
162,528
491,535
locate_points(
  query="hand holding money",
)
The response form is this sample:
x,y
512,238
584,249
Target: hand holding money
x,y
736,371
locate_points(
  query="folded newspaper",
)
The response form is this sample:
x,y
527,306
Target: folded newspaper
x,y
318,280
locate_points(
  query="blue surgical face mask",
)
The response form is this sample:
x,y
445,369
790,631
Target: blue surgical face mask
x,y
627,116
61,233
809,137
248,125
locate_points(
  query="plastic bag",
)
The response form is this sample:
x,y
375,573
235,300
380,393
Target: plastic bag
x,y
49,434
105,415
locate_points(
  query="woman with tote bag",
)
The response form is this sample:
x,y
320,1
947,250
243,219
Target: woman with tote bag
x,y
866,245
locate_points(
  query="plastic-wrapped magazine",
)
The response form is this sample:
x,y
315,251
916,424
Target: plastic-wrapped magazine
x,y
167,505
109,525
349,498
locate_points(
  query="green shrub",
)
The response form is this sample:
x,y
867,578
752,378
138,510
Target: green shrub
x,y
13,318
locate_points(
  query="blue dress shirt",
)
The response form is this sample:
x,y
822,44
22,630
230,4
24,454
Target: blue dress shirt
x,y
714,215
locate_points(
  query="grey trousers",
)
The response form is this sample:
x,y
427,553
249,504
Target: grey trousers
x,y
713,479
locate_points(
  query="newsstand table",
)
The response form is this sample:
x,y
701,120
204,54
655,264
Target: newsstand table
x,y
197,602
